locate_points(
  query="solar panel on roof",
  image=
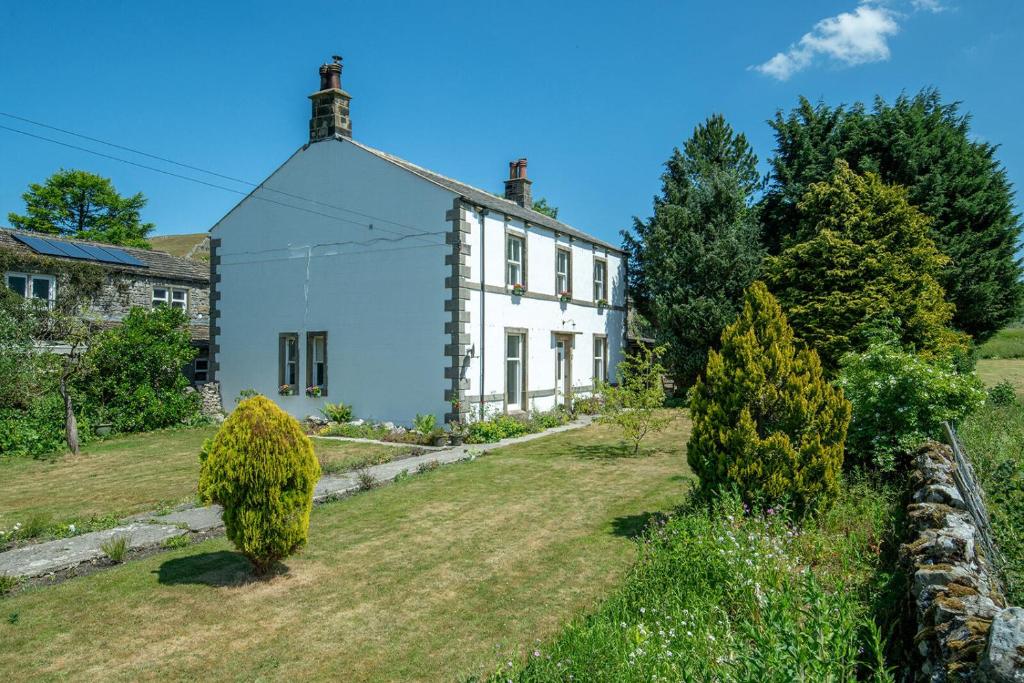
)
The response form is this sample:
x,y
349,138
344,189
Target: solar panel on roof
x,y
124,257
90,252
40,246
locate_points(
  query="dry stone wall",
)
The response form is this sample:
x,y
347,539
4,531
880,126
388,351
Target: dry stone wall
x,y
964,629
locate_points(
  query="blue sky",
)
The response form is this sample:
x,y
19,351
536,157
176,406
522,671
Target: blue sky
x,y
595,94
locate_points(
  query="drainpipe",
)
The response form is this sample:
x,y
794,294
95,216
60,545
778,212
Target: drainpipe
x,y
482,212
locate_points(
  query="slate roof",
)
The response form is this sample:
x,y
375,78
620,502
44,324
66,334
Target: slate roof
x,y
483,198
159,264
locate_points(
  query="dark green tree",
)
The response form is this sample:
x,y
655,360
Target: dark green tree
x,y
925,145
542,206
690,262
84,205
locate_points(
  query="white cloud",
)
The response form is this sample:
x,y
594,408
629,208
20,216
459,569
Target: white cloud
x,y
927,5
851,38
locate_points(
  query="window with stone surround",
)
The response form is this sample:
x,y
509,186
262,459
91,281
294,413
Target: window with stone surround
x,y
288,363
514,259
600,280
600,359
563,272
316,361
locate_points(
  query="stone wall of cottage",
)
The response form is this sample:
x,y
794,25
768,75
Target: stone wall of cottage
x,y
965,631
122,292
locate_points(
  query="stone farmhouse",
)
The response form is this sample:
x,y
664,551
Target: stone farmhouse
x,y
353,275
134,278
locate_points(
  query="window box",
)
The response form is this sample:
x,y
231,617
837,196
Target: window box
x,y
602,303
314,392
518,289
286,390
565,297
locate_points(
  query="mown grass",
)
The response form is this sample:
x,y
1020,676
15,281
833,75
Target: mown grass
x,y
439,577
993,371
720,595
1007,343
128,474
994,440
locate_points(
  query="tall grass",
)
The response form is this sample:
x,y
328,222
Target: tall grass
x,y
720,595
1006,343
994,439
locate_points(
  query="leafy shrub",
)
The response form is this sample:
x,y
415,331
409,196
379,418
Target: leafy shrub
x,y
135,382
261,468
176,542
116,547
337,412
590,405
495,429
424,424
765,421
553,418
38,430
366,479
720,596
363,431
632,405
1002,394
899,399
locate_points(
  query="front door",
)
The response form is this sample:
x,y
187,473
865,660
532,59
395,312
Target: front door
x,y
563,374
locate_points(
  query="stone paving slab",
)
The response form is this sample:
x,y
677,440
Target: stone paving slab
x,y
53,556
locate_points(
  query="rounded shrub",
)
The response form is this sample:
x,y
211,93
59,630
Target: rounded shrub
x,y
765,422
262,469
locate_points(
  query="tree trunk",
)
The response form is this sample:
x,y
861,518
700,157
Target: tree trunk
x,y
70,423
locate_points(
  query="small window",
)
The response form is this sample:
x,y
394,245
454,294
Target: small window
x,y
316,363
201,366
600,280
161,296
563,278
288,364
175,298
514,260
33,286
600,360
179,299
514,366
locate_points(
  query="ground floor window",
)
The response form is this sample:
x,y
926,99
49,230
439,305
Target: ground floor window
x,y
515,370
288,363
201,365
316,363
600,359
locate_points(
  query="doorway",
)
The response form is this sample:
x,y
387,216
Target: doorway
x,y
563,371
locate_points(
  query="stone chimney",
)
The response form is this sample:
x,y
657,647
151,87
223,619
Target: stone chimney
x,y
330,105
517,187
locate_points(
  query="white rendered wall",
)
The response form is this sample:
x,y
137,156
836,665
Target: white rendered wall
x,y
382,304
541,318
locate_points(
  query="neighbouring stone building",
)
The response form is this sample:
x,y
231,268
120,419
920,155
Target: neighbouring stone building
x,y
133,278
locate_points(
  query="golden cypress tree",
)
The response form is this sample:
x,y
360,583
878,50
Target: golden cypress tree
x,y
765,421
262,469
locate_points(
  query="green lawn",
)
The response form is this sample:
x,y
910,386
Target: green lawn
x,y
438,577
1006,343
129,474
993,371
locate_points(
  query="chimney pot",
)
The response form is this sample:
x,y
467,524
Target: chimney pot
x,y
517,187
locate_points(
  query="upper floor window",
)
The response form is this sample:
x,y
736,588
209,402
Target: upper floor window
x,y
600,280
514,260
166,296
33,286
563,277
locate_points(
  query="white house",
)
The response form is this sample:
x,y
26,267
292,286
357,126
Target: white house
x,y
352,275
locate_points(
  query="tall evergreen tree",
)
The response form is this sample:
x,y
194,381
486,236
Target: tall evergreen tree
x,y
861,258
925,145
84,205
691,261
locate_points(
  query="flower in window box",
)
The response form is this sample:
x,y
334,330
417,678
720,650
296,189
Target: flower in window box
x,y
518,289
314,392
602,303
565,297
285,390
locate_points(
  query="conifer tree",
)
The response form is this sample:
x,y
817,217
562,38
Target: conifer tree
x,y
927,146
765,421
690,262
861,257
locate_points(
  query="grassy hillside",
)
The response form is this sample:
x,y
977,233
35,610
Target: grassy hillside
x,y
180,245
1007,343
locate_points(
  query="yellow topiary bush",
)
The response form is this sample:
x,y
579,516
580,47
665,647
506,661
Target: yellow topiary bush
x,y
765,421
262,469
